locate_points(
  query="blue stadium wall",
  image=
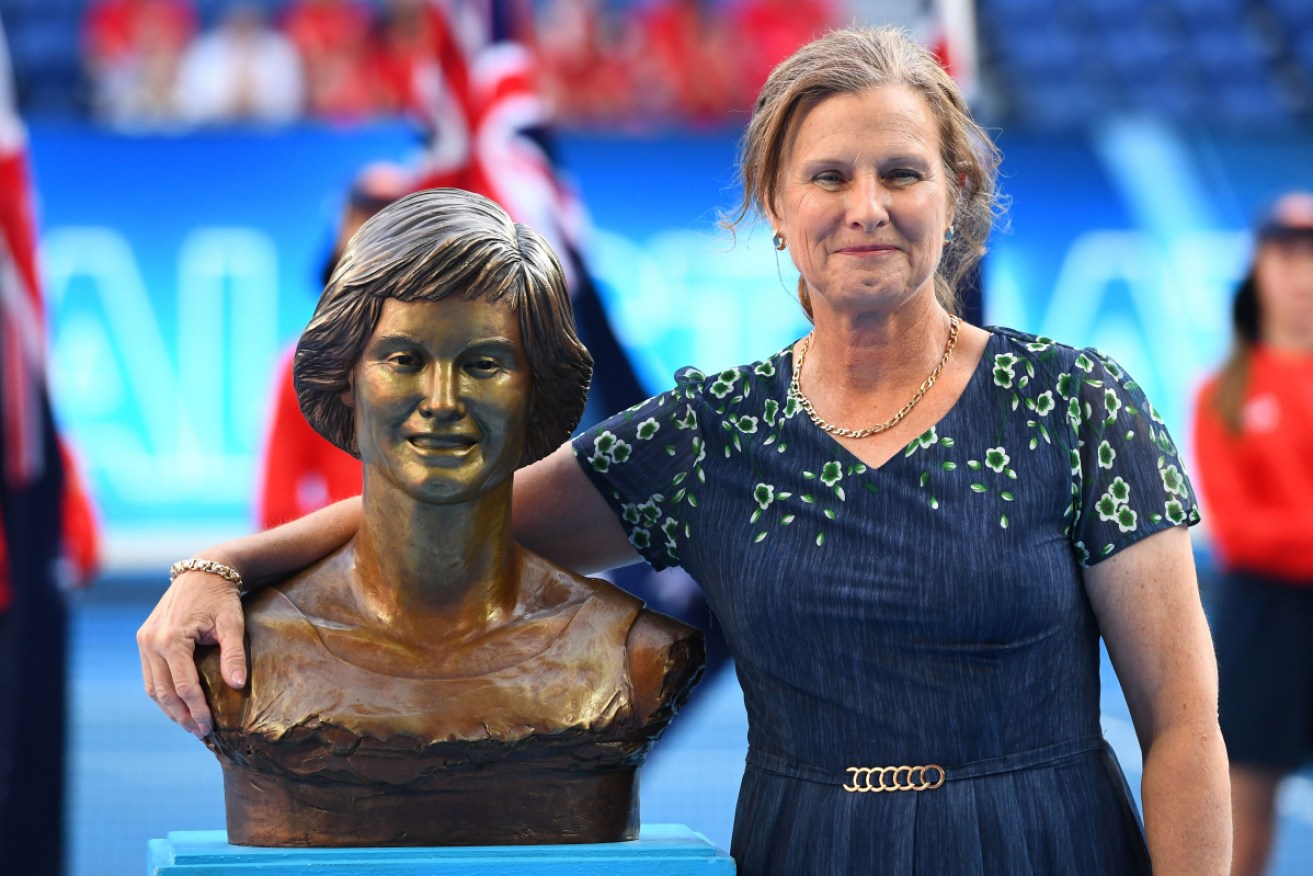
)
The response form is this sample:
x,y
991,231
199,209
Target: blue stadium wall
x,y
178,269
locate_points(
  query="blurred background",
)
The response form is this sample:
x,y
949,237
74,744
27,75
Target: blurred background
x,y
191,161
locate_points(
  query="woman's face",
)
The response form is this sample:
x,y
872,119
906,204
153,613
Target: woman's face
x,y
1283,274
442,393
864,199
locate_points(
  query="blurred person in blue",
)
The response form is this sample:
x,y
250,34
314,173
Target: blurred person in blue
x,y
1254,443
913,531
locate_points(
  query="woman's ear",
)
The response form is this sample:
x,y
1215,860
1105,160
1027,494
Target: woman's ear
x,y
348,395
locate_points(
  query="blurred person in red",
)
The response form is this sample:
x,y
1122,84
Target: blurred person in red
x,y
768,31
131,50
409,37
586,79
333,40
1254,442
242,70
687,64
301,470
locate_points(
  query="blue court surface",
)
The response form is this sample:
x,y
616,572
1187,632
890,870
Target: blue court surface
x,y
135,776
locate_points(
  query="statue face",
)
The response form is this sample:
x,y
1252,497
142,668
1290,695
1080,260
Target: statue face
x,y
441,394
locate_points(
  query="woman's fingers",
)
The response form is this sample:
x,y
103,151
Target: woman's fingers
x,y
198,609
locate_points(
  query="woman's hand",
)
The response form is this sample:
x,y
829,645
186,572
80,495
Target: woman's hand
x,y
204,609
199,608
1146,598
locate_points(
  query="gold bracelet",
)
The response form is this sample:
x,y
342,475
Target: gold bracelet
x,y
210,566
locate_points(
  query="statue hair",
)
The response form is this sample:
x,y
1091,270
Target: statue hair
x,y
425,247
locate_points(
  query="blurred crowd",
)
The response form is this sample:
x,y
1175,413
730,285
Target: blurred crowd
x,y
152,63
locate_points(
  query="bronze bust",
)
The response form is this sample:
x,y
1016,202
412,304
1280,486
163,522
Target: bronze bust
x,y
432,682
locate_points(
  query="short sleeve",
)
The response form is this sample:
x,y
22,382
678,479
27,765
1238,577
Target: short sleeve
x,y
1129,481
647,462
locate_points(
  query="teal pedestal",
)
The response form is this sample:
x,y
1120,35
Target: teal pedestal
x,y
660,850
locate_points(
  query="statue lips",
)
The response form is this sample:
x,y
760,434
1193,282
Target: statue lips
x,y
440,447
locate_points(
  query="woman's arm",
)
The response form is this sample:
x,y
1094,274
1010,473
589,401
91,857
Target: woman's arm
x,y
204,609
558,514
1146,599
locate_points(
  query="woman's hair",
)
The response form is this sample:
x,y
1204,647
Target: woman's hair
x,y
850,61
425,247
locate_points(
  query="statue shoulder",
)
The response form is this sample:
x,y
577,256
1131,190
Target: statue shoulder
x,y
666,658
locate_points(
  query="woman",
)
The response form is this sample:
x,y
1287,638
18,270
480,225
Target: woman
x,y
913,596
1254,440
431,682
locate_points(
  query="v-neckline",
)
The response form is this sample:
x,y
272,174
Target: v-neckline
x,y
786,375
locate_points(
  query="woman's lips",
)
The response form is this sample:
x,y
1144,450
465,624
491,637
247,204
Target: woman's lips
x,y
868,249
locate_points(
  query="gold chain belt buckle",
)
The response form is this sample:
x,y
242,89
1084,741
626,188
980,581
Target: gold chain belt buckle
x,y
875,780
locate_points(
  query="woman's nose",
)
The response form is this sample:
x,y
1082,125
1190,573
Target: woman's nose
x,y
443,400
867,206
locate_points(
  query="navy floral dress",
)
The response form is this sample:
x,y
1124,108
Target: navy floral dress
x,y
928,611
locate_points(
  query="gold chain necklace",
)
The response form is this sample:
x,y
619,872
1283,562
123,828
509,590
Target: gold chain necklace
x,y
796,391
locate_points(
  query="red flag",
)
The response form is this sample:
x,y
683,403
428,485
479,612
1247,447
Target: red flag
x,y
948,28
22,321
32,461
490,132
489,124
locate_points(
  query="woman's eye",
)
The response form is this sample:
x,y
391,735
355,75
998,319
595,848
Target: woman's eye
x,y
902,175
828,177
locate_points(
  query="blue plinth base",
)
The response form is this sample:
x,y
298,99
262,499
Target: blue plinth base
x,y
660,850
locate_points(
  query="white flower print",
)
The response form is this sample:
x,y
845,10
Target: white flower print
x,y
1126,518
1106,454
1173,480
1112,403
831,473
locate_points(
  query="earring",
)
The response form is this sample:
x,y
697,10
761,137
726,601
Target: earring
x,y
948,235
778,240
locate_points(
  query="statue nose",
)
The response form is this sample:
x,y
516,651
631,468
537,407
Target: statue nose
x,y
443,399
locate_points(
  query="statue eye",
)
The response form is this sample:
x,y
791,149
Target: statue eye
x,y
404,360
484,366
